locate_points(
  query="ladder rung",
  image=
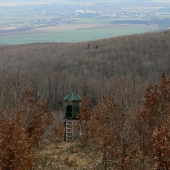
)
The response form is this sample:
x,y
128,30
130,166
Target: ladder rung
x,y
69,131
68,137
69,134
69,123
69,128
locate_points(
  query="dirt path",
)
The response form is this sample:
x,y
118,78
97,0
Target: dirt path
x,y
59,155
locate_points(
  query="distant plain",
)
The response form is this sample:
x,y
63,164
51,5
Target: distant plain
x,y
21,24
73,35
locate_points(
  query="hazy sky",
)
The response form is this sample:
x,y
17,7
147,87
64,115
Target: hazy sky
x,y
42,1
36,2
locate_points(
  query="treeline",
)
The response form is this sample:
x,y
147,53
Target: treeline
x,y
92,68
162,23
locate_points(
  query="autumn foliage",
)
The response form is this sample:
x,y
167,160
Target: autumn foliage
x,y
161,145
130,137
21,130
136,140
16,149
85,118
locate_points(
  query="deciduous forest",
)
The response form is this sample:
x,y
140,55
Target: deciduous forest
x,y
125,86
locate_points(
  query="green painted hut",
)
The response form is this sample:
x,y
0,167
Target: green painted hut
x,y
72,106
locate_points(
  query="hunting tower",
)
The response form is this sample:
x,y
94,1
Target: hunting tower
x,y
72,110
72,104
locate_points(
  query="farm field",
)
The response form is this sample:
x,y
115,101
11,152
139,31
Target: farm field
x,y
73,35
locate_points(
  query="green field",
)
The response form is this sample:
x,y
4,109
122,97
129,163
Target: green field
x,y
75,35
15,15
93,20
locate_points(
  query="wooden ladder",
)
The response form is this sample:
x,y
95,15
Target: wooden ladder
x,y
69,131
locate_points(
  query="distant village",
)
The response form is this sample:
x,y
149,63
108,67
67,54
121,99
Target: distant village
x,y
69,16
57,14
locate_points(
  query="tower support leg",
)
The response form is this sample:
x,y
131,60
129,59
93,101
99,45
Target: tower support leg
x,y
64,130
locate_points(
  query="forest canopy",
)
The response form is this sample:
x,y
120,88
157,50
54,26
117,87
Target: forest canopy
x,y
91,68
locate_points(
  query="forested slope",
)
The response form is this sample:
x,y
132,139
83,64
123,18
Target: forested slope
x,y
125,119
89,68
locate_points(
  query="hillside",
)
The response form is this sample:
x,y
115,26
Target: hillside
x,y
125,115
89,68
